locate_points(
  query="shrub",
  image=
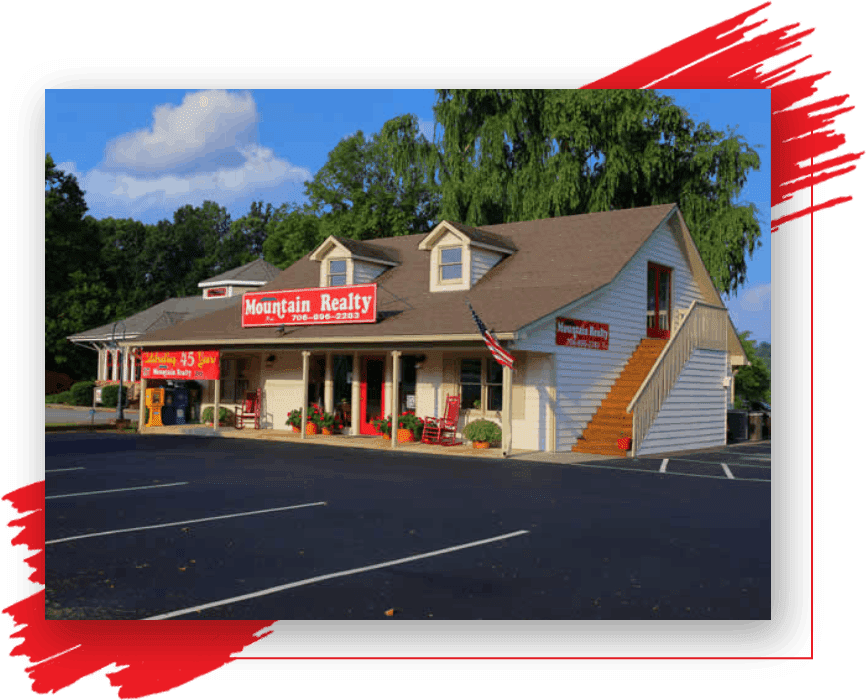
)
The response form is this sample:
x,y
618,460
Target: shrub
x,y
62,397
226,416
109,396
482,431
294,420
82,393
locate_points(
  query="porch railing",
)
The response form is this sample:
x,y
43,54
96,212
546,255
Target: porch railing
x,y
704,326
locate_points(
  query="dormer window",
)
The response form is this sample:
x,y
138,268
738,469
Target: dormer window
x,y
337,272
451,265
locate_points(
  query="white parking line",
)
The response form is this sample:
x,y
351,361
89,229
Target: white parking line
x,y
337,574
65,469
727,471
134,488
664,466
184,522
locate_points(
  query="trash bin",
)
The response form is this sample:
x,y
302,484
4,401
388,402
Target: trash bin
x,y
181,403
738,426
168,413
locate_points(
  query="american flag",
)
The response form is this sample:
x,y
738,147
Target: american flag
x,y
500,354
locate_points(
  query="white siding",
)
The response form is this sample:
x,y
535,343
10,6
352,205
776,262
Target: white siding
x,y
366,272
481,262
693,415
583,376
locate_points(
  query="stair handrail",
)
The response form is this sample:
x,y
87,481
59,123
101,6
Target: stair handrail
x,y
696,331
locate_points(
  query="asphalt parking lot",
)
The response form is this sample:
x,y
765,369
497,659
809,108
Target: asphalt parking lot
x,y
185,527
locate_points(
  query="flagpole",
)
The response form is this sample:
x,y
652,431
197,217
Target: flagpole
x,y
506,410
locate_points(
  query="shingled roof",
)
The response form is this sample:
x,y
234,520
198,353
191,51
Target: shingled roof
x,y
557,261
256,271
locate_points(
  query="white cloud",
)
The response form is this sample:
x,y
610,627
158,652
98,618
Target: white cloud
x,y
202,149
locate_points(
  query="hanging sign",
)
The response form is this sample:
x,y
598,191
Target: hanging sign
x,y
352,303
180,364
582,334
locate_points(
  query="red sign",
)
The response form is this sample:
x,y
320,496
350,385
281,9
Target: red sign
x,y
582,334
180,364
352,303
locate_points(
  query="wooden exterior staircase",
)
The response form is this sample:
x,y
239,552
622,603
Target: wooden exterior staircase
x,y
611,420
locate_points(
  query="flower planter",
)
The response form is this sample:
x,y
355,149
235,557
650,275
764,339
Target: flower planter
x,y
296,429
624,443
480,445
327,431
312,429
405,435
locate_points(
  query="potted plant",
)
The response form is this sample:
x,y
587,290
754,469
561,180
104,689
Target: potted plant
x,y
476,404
482,433
409,427
314,416
409,421
295,420
226,416
329,423
623,442
383,425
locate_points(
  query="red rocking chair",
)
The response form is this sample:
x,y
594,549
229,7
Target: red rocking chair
x,y
443,431
250,410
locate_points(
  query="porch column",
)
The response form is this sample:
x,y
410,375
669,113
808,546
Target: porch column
x,y
506,410
356,394
142,387
306,381
329,382
216,404
100,363
395,395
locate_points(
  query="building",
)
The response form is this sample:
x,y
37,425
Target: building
x,y
612,317
216,293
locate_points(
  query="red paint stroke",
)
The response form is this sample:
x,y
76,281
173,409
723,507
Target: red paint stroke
x,y
162,655
719,57
157,656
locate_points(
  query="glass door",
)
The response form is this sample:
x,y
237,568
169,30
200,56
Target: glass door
x,y
658,309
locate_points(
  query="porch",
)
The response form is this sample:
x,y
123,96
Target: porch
x,y
373,442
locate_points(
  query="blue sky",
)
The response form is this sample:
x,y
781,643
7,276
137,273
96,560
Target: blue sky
x,y
144,153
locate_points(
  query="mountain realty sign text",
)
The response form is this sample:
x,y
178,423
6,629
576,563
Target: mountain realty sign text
x,y
352,303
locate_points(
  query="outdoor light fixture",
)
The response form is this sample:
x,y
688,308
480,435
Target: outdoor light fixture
x,y
419,360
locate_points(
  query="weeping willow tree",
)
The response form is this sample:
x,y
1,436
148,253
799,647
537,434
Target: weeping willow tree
x,y
517,155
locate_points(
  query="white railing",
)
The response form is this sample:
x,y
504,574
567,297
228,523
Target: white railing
x,y
704,326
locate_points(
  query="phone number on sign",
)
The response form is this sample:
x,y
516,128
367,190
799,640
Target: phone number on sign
x,y
342,316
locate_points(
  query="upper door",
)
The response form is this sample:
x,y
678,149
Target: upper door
x,y
658,306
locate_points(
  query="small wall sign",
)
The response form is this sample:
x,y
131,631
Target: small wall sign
x,y
582,334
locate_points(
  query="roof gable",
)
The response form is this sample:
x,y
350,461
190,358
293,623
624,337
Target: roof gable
x,y
254,273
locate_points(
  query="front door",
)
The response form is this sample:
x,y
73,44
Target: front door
x,y
372,392
658,308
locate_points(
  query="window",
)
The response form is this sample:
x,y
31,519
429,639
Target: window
x,y
336,273
233,384
450,264
493,385
481,384
470,383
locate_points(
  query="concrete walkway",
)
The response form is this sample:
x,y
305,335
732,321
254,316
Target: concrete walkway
x,y
373,442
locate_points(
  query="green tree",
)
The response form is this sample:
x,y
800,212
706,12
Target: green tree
x,y
75,290
373,187
752,383
248,233
516,155
291,234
